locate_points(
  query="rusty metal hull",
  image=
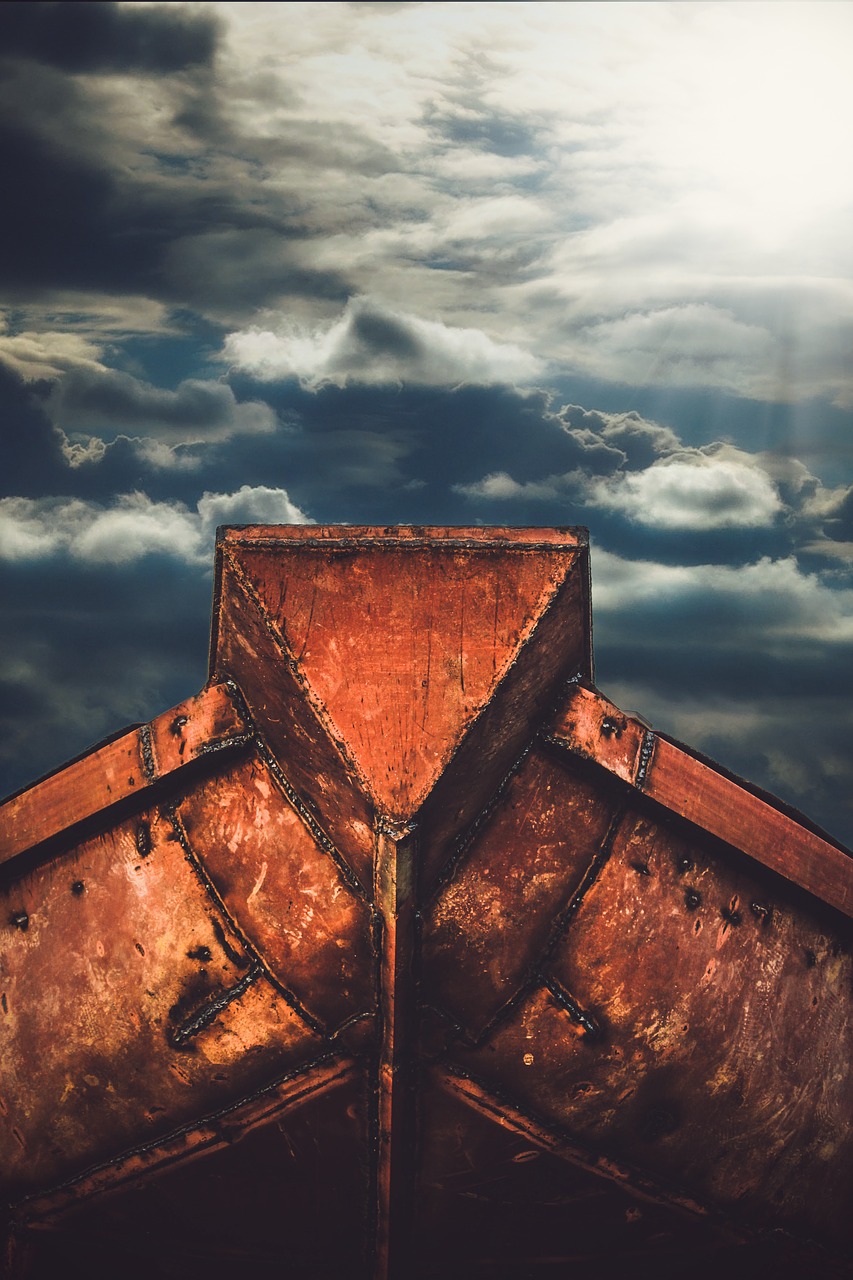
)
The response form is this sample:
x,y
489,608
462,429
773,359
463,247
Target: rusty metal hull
x,y
400,952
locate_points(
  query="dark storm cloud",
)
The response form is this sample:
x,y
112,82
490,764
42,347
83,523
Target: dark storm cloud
x,y
92,37
237,267
88,207
75,222
121,645
395,453
430,454
113,403
30,446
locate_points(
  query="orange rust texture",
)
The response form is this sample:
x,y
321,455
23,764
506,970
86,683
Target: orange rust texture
x,y
597,730
387,853
398,664
283,891
448,636
722,1061
491,923
122,946
120,770
558,650
252,652
594,729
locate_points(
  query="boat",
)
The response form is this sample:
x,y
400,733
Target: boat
x,y
400,952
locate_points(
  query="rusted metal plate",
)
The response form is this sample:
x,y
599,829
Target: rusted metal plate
x,y
216,1132
491,923
317,769
302,914
400,952
594,729
128,1005
450,633
375,662
246,1206
121,769
719,1052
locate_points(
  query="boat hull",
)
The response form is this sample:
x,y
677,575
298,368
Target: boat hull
x,y
400,952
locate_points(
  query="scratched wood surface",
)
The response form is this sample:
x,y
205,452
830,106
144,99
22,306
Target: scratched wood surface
x,y
399,952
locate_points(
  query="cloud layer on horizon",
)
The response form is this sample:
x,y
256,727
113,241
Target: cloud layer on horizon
x,y
434,264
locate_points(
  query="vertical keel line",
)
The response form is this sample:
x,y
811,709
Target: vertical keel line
x,y
395,1110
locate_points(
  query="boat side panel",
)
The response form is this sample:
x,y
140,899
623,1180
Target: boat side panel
x,y
403,649
490,925
589,726
324,782
718,1050
286,893
128,1005
121,770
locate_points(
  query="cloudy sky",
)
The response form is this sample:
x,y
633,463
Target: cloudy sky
x,y
521,263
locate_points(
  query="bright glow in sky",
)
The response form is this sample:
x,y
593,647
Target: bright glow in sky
x,y
767,115
435,263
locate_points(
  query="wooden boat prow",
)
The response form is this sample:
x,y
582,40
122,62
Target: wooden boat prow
x,y
400,952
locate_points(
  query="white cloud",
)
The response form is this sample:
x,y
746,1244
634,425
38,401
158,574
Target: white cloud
x,y
692,491
49,354
692,345
552,178
154,453
250,504
767,605
134,526
640,170
499,485
678,489
371,343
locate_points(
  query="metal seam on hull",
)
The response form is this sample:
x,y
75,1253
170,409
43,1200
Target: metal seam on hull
x,y
590,876
393,1122
280,643
321,839
343,545
644,758
222,744
146,753
208,1012
507,1112
464,842
33,1199
252,951
505,681
534,975
591,1027
292,796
